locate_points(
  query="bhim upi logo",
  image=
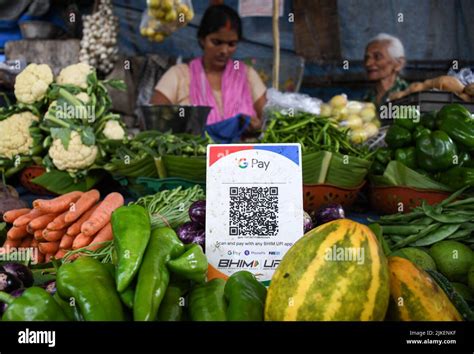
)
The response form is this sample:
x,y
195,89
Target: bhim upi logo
x,y
243,162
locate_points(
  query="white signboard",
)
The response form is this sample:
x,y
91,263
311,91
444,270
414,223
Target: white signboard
x,y
262,8
254,207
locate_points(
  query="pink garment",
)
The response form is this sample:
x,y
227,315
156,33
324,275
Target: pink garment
x,y
236,95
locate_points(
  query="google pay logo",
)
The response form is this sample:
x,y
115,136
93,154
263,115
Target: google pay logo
x,y
242,162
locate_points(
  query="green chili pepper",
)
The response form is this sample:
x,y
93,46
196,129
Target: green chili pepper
x,y
93,288
245,296
70,310
127,296
191,265
173,304
153,276
35,304
406,156
207,301
435,151
131,227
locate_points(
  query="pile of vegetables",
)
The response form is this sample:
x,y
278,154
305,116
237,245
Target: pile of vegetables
x,y
65,125
99,39
57,226
437,145
359,117
441,83
143,155
440,240
170,207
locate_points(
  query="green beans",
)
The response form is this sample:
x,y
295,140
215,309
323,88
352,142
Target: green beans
x,y
429,224
313,132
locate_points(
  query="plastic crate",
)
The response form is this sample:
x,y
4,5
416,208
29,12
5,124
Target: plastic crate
x,y
429,101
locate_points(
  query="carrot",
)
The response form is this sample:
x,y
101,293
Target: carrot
x,y
66,242
40,258
53,235
85,202
57,205
102,214
58,223
11,243
81,241
104,235
39,235
17,233
11,215
25,219
41,221
75,229
60,254
26,242
48,247
47,257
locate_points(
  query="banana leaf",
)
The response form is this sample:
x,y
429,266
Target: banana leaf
x,y
324,167
60,182
397,174
190,168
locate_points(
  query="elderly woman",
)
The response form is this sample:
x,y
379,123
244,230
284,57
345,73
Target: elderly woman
x,y
235,92
384,60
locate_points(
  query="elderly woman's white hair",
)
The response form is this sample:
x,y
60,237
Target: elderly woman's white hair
x,y
395,46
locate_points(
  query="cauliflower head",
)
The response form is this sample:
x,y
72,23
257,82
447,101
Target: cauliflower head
x,y
84,97
76,157
32,83
113,130
15,134
75,74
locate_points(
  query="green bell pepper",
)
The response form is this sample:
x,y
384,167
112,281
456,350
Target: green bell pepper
x,y
406,156
383,155
92,286
458,123
207,301
419,131
457,177
245,297
435,151
398,137
131,228
409,118
191,265
153,276
35,304
70,309
428,120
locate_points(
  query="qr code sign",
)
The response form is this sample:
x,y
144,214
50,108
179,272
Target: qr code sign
x,y
253,211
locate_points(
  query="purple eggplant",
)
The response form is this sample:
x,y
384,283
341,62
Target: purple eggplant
x,y
19,270
14,293
197,212
50,286
191,232
9,282
307,222
329,213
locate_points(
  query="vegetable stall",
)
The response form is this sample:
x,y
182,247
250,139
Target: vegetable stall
x,y
116,217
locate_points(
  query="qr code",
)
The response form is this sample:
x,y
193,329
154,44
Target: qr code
x,y
253,211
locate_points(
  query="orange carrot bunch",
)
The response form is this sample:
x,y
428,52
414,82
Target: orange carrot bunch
x,y
56,226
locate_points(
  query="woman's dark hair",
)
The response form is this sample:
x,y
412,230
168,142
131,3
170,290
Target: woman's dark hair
x,y
219,16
